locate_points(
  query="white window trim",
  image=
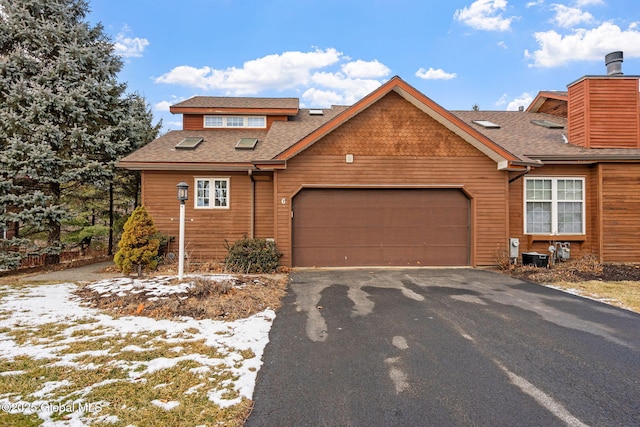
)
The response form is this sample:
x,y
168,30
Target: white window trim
x,y
212,185
245,120
554,204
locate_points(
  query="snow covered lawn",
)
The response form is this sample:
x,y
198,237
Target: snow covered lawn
x,y
65,364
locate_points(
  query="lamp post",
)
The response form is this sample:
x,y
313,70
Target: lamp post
x,y
183,195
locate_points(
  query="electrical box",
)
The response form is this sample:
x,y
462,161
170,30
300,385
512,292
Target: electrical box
x,y
514,245
563,250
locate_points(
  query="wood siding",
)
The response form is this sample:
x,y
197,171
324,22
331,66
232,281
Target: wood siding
x,y
394,144
207,229
580,245
621,212
196,121
605,113
555,107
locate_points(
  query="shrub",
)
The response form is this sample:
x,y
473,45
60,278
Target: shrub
x,y
252,256
139,243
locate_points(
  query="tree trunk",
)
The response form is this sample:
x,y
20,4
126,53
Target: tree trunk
x,y
110,245
53,238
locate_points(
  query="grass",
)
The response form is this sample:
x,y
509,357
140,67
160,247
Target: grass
x,y
625,294
127,376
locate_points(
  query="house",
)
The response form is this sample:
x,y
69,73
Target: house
x,y
396,179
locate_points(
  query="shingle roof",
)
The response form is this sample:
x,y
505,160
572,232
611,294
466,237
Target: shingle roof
x,y
218,146
517,136
238,102
529,141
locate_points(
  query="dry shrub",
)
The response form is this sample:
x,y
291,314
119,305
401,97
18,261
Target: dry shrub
x,y
503,259
573,270
230,299
205,287
588,264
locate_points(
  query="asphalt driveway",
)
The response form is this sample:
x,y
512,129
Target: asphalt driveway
x,y
440,347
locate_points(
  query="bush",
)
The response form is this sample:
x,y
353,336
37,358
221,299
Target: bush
x,y
252,256
139,243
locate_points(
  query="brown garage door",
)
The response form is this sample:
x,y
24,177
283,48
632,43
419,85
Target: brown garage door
x,y
359,227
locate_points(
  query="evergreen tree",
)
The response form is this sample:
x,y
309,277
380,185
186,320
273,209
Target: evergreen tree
x,y
65,119
139,244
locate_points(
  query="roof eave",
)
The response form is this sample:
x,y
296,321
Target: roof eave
x,y
191,166
250,111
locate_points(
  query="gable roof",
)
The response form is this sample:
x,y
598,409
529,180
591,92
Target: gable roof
x,y
551,102
516,144
502,157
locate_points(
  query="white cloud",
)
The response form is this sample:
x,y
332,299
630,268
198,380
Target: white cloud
x,y
163,106
583,45
503,45
535,3
432,74
325,77
569,17
583,3
350,90
129,47
276,72
321,98
514,105
485,15
365,69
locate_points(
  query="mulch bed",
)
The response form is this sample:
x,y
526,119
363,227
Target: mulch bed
x,y
233,299
578,270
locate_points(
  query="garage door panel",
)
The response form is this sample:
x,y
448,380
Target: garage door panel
x,y
350,227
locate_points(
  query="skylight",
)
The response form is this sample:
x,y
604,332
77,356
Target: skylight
x,y
316,112
486,124
547,124
189,143
246,143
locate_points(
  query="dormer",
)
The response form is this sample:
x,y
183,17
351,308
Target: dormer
x,y
550,102
215,112
604,111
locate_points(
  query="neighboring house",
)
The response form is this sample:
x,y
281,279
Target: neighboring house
x,y
396,179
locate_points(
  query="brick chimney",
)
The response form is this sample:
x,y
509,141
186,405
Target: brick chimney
x,y
604,111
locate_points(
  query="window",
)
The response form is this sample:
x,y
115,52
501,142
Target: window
x,y
212,121
235,121
256,122
554,206
212,193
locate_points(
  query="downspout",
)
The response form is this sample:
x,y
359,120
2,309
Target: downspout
x,y
253,203
517,177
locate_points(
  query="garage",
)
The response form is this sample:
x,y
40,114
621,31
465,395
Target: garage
x,y
377,227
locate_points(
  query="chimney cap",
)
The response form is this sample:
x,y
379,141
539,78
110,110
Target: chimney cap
x,y
613,61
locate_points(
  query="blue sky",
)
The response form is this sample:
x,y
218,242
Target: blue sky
x,y
494,53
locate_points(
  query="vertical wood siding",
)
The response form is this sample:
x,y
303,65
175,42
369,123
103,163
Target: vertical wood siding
x,y
396,144
207,229
621,212
583,245
605,113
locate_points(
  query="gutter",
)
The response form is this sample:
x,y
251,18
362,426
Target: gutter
x,y
520,175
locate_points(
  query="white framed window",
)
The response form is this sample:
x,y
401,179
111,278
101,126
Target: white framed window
x,y
213,121
235,121
211,193
256,122
554,205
